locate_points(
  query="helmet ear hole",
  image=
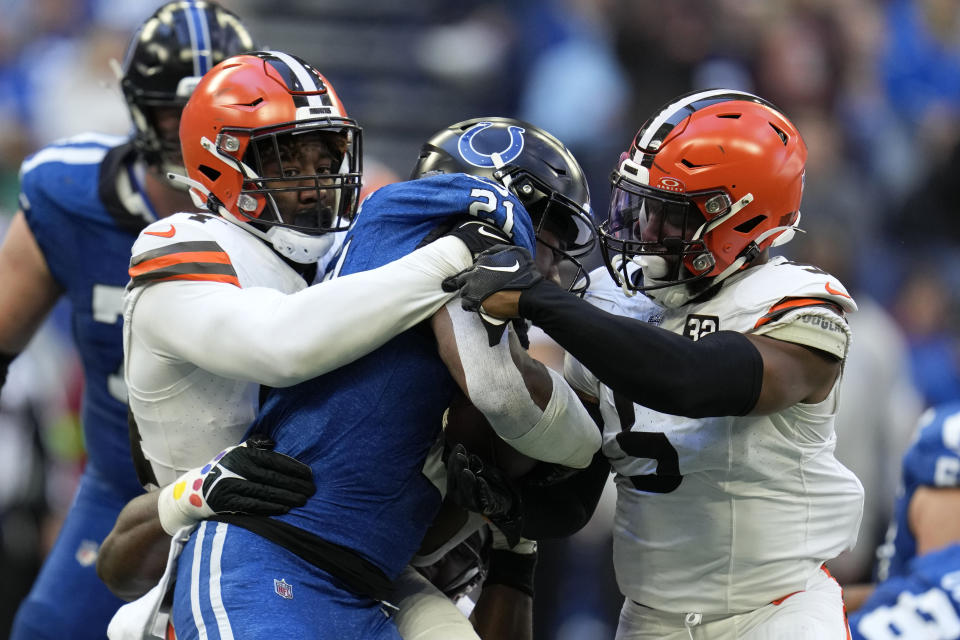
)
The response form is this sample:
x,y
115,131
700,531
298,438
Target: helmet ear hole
x,y
749,225
211,173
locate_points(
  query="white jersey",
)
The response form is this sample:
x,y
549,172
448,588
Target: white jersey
x,y
744,510
176,403
211,313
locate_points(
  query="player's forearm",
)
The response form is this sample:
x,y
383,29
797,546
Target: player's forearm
x,y
132,557
279,340
854,595
719,375
563,508
533,410
503,612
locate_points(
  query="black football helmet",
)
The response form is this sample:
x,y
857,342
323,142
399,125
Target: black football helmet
x,y
165,60
536,168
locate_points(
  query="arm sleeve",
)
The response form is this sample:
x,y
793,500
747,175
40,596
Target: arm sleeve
x,y
264,336
562,509
718,375
561,432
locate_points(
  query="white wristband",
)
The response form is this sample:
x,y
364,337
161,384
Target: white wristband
x,y
181,503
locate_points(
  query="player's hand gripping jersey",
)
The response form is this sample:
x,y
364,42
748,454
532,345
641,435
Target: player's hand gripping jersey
x,y
209,317
727,514
366,428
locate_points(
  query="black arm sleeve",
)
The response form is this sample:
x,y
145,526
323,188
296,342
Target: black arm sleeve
x,y
718,375
563,508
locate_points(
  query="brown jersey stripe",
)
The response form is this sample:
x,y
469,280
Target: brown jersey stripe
x,y
788,304
213,271
173,259
199,277
177,247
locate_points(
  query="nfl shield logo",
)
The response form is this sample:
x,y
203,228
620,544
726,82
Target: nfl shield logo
x,y
283,588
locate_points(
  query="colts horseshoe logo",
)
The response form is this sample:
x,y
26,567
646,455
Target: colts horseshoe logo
x,y
490,160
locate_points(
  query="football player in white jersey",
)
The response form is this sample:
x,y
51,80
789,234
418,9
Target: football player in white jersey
x,y
197,346
719,421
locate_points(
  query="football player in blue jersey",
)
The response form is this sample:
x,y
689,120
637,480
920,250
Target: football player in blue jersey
x,y
248,134
367,428
918,594
83,200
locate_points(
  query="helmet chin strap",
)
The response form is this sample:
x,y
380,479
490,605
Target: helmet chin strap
x,y
299,247
169,169
198,193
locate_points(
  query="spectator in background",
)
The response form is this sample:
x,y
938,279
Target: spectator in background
x,y
872,435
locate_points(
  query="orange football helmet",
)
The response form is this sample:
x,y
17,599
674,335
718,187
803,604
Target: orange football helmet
x,y
711,180
238,131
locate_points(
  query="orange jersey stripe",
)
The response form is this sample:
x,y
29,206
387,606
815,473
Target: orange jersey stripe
x,y
794,303
215,257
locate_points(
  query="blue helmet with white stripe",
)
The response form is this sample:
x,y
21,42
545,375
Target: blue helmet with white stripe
x,y
164,62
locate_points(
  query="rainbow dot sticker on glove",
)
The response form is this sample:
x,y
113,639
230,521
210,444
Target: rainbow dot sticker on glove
x,y
178,489
195,500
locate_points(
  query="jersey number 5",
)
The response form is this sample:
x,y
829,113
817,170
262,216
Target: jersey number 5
x,y
648,444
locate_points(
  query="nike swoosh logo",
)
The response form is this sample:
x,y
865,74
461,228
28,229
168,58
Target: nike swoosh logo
x,y
835,291
514,267
162,234
483,231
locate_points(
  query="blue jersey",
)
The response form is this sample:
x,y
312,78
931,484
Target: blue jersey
x,y
366,428
70,199
933,460
922,602
82,201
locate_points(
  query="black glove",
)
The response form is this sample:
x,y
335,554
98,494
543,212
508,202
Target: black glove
x,y
476,234
248,478
484,489
499,268
479,236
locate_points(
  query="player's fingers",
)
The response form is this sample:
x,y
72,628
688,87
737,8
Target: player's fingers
x,y
259,476
256,461
261,496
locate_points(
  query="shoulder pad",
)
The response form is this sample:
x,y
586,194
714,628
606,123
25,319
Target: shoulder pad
x,y
178,228
183,246
83,149
63,175
780,279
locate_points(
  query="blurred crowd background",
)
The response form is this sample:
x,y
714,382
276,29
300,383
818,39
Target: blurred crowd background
x,y
873,86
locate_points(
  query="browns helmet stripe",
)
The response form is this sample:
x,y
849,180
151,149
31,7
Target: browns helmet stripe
x,y
308,90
